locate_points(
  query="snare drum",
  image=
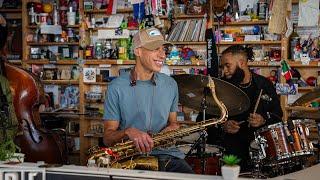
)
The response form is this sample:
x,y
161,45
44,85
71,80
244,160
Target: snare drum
x,y
277,147
301,145
212,159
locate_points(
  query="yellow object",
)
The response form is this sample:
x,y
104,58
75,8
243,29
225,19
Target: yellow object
x,y
47,7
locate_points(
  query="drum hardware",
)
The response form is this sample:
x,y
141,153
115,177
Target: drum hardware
x,y
200,146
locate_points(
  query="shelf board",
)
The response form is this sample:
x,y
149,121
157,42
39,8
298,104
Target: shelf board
x,y
302,108
190,16
243,23
10,10
313,63
15,61
73,134
96,83
93,135
46,61
263,64
53,43
108,28
189,42
263,42
62,82
108,61
127,10
305,89
93,118
295,1
68,26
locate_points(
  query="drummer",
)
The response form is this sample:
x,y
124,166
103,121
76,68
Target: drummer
x,y
239,130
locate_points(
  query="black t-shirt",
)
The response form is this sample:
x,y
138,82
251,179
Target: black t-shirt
x,y
238,144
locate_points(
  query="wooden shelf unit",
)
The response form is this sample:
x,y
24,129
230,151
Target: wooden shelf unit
x,y
242,23
52,43
68,26
262,42
10,10
188,42
46,61
61,82
97,11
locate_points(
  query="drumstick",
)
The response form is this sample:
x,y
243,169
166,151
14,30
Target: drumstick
x,y
257,104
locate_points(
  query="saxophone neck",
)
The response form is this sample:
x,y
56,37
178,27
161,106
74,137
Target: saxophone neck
x,y
223,110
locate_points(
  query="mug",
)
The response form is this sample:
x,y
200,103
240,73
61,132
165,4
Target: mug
x,y
41,18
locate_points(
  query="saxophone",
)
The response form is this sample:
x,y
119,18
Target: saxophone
x,y
122,155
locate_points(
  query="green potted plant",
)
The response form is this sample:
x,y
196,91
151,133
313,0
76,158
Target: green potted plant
x,y
230,170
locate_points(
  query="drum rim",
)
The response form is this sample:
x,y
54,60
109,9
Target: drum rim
x,y
279,124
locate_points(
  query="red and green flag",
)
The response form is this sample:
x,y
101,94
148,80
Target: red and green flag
x,y
286,70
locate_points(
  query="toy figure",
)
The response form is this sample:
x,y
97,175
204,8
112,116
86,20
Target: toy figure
x,y
273,76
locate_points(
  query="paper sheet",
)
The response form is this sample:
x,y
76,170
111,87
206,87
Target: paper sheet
x,y
308,13
244,4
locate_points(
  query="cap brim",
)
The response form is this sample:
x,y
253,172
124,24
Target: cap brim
x,y
155,44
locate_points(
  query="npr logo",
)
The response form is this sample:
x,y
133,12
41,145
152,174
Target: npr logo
x,y
22,174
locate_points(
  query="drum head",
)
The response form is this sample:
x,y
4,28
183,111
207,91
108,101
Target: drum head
x,y
210,149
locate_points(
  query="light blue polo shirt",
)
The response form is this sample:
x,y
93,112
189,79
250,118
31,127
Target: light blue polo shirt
x,y
144,106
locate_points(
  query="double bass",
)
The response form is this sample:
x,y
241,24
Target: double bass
x,y
37,143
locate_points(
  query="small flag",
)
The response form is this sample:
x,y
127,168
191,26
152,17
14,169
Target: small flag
x,y
286,70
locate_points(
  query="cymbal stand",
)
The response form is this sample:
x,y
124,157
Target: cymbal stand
x,y
257,157
200,146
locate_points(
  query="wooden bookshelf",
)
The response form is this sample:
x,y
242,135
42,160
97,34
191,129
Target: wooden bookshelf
x,y
305,89
128,10
188,42
186,16
243,23
10,10
53,43
302,108
15,61
96,83
61,82
68,26
46,61
109,61
263,42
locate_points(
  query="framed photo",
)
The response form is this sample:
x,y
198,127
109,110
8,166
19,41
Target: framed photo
x,y
89,74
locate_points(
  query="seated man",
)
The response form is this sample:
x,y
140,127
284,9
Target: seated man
x,y
144,102
238,132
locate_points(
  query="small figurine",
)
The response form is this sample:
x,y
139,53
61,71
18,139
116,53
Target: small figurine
x,y
273,76
174,57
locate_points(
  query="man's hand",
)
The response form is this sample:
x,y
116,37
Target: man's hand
x,y
142,140
231,127
171,127
256,120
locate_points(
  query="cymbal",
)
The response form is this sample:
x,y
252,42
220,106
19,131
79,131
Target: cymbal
x,y
308,97
192,88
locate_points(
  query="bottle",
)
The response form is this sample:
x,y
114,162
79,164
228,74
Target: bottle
x,y
130,49
294,42
98,50
123,44
55,14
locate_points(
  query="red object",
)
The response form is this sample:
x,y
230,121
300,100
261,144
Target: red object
x,y
311,81
109,8
38,7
